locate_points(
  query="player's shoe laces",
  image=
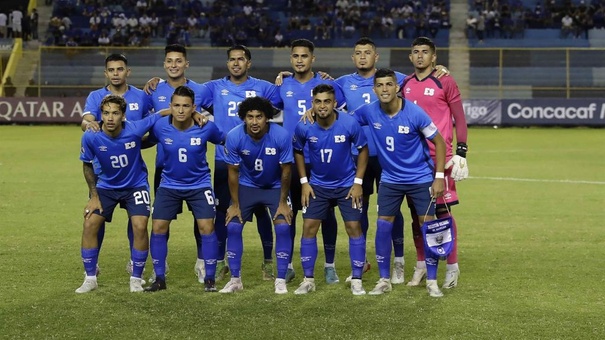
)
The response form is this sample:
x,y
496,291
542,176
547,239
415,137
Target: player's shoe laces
x,y
153,276
419,275
382,286
357,287
397,276
88,286
136,285
157,285
234,285
433,288
307,286
200,271
210,286
267,269
221,270
280,286
290,275
331,276
451,279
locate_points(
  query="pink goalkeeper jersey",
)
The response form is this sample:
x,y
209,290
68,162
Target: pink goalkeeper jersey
x,y
434,96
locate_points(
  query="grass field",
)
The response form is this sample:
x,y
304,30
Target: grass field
x,y
531,256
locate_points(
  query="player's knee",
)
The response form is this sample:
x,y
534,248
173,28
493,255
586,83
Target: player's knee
x,y
353,229
234,228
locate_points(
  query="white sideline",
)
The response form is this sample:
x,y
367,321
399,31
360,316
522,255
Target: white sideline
x,y
538,180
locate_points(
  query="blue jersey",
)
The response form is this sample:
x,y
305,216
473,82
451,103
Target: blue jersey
x,y
160,99
184,156
138,104
400,141
222,97
329,150
297,98
120,159
259,161
359,91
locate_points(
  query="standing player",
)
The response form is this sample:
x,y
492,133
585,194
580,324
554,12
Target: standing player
x,y
259,158
334,180
295,93
400,130
440,98
122,179
185,177
138,107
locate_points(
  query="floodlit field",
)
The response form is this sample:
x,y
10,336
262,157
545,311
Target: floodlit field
x,y
532,245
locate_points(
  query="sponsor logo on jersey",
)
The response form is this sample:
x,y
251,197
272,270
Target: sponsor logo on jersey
x,y
408,90
224,92
246,152
313,139
102,148
377,126
168,141
289,94
353,87
162,99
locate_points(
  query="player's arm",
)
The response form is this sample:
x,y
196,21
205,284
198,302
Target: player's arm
x,y
89,123
91,180
284,208
441,71
356,191
438,186
233,181
151,85
458,162
306,189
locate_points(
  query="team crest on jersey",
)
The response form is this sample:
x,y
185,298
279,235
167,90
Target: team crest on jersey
x,y
130,145
168,141
162,99
289,94
353,87
224,92
133,106
377,126
246,152
340,139
270,151
429,91
102,148
313,139
195,141
403,129
250,94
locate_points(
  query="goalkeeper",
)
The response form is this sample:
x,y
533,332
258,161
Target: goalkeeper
x,y
440,98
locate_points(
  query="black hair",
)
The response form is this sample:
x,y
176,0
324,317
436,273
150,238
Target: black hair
x,y
175,48
385,72
116,57
256,103
424,41
323,88
240,48
303,43
184,91
114,99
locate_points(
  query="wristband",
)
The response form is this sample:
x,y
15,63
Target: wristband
x,y
461,149
439,175
358,181
304,180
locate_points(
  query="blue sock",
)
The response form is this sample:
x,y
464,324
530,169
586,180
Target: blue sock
x,y
198,239
265,231
210,247
101,235
329,230
159,251
130,234
90,258
308,255
383,247
397,235
221,233
138,257
293,233
431,267
283,244
235,247
357,253
364,221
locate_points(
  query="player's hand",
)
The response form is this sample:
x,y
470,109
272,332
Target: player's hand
x,y
306,194
325,75
92,126
280,77
200,119
233,212
441,71
459,168
356,194
284,210
308,116
93,204
438,188
151,85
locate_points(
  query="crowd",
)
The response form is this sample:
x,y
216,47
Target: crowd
x,y
14,23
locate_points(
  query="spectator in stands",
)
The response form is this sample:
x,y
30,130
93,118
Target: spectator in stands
x,y
471,27
132,24
71,42
16,19
481,28
387,25
598,18
95,20
434,24
119,38
31,90
279,39
3,25
104,39
421,25
203,25
9,88
142,6
67,23
193,25
33,23
567,26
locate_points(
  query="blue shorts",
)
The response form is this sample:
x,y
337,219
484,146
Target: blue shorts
x,y
252,198
221,185
135,201
168,203
390,197
327,198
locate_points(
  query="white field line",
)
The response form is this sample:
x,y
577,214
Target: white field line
x,y
567,181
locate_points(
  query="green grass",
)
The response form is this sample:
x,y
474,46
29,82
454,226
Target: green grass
x,y
531,256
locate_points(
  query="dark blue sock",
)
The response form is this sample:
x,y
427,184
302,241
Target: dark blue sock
x,y
431,267
235,247
293,233
90,258
383,247
221,233
159,251
357,253
198,240
210,247
308,255
101,235
283,244
397,235
138,258
364,220
265,231
329,229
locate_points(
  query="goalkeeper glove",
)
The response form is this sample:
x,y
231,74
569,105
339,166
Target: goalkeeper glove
x,y
458,163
